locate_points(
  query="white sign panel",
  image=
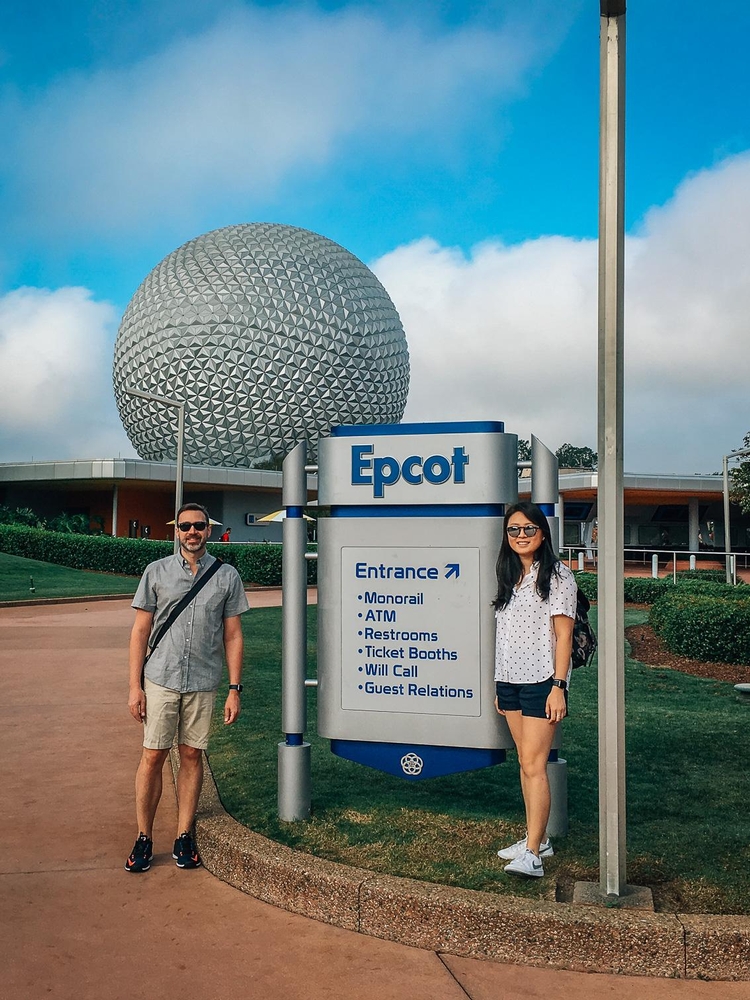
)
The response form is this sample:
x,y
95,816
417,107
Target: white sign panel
x,y
461,467
410,630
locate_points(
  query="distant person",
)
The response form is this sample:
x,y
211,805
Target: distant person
x,y
225,536
175,694
535,611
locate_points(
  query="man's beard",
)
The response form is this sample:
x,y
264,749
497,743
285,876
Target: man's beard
x,y
195,546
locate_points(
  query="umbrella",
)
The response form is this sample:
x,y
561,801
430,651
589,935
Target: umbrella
x,y
277,515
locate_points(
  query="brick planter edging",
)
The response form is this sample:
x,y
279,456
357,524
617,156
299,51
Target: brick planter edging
x,y
466,923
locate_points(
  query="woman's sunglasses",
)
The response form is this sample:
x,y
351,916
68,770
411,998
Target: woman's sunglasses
x,y
528,529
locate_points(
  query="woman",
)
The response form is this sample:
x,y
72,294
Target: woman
x,y
535,611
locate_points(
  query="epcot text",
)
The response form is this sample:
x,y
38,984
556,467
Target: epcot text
x,y
414,470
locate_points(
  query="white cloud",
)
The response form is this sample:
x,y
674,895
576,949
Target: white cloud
x,y
238,107
510,332
55,383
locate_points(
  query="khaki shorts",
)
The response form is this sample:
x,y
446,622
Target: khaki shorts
x,y
169,714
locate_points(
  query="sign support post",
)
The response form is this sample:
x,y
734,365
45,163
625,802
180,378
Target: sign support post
x,y
294,792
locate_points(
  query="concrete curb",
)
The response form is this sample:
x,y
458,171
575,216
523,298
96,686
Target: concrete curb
x,y
466,923
42,602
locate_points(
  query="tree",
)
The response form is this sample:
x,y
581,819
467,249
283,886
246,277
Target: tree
x,y
739,481
272,463
571,457
524,451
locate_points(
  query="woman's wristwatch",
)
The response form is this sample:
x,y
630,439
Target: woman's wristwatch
x,y
556,682
236,687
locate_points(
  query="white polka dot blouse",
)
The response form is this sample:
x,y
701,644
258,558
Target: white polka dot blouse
x,y
525,636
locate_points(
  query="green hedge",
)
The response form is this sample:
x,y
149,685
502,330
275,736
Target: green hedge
x,y
646,590
587,583
638,589
713,588
704,626
717,575
258,563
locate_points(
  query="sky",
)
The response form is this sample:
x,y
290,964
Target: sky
x,y
452,146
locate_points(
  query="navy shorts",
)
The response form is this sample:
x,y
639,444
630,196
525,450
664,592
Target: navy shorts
x,y
528,699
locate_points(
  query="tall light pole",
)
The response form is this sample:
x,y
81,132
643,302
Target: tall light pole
x,y
612,860
179,477
725,491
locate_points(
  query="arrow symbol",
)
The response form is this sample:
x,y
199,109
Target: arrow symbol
x,y
454,569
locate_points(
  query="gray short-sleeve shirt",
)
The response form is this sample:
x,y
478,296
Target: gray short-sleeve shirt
x,y
191,654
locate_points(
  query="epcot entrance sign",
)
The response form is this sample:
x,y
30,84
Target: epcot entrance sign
x,y
405,564
406,577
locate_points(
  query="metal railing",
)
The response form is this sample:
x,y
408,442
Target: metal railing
x,y
579,556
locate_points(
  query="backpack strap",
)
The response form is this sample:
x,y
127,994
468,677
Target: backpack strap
x,y
177,610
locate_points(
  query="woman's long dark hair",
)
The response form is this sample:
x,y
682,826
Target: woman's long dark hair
x,y
509,568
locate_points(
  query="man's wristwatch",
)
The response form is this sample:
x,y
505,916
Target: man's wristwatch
x,y
236,687
556,682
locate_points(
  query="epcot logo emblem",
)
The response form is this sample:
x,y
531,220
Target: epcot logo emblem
x,y
412,764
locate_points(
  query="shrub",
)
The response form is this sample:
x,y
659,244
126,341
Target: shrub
x,y
586,583
644,589
20,515
718,575
637,589
128,556
704,626
259,564
712,588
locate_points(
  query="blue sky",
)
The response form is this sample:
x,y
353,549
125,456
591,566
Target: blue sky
x,y
452,146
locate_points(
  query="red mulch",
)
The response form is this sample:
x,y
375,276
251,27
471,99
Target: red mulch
x,y
648,648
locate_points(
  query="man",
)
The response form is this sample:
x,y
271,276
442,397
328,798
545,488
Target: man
x,y
181,676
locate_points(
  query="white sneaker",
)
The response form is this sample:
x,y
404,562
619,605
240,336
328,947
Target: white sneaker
x,y
517,849
527,864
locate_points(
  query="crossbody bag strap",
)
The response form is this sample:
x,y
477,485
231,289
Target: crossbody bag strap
x,y
177,610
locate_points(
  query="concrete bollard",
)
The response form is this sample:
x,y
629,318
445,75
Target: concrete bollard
x,y
692,562
557,772
581,563
655,566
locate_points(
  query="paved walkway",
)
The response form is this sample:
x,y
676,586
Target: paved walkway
x,y
74,924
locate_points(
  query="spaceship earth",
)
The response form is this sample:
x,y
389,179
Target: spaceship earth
x,y
270,334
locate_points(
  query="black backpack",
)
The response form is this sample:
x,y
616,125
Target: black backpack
x,y
584,640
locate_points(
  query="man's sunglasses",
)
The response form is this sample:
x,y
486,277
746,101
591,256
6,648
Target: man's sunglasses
x,y
528,529
198,525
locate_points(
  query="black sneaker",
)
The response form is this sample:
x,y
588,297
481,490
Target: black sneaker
x,y
185,852
140,858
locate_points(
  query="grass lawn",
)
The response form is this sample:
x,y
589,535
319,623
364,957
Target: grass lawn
x,y
688,744
56,581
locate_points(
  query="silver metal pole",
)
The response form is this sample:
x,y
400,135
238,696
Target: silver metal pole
x,y
557,773
115,491
612,871
727,524
545,491
693,524
727,537
294,791
545,485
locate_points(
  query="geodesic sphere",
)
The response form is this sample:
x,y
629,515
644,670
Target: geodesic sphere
x,y
270,334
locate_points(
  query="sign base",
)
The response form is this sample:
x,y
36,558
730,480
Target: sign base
x,y
416,761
